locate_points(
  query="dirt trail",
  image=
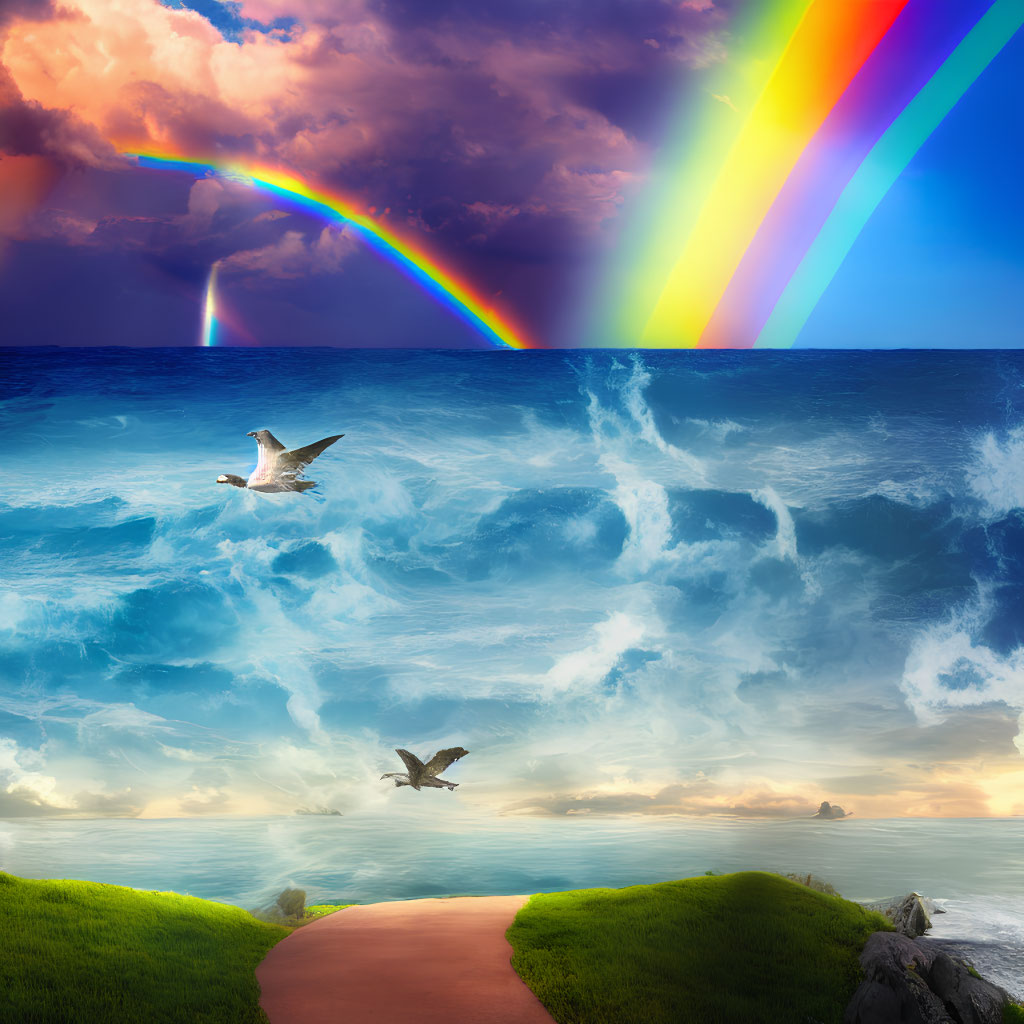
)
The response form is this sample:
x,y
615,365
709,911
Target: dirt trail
x,y
425,961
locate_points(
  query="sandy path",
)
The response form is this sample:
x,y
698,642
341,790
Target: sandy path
x,y
422,961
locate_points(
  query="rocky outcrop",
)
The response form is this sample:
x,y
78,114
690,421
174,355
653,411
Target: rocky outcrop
x,y
916,983
830,812
910,915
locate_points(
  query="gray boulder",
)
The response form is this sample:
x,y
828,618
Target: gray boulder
x,y
910,917
916,983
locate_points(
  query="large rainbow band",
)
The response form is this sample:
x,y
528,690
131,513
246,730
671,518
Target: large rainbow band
x,y
854,93
424,270
883,165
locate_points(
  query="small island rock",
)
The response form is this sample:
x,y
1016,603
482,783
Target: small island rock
x,y
830,812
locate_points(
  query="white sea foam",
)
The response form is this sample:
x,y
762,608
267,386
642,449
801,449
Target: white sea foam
x,y
996,474
785,536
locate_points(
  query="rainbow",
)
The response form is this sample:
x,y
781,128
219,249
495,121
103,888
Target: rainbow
x,y
839,95
210,310
412,260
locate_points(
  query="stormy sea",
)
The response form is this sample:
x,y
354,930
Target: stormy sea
x,y
667,600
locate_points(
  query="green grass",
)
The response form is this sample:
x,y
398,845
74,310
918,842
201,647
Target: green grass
x,y
323,909
1013,1013
747,948
85,953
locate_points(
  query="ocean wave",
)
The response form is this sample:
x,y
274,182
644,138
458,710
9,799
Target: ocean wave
x,y
996,473
681,565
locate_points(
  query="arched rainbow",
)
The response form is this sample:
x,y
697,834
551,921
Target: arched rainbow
x,y
856,90
412,260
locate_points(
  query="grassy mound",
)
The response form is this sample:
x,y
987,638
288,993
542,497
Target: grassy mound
x,y
84,952
747,948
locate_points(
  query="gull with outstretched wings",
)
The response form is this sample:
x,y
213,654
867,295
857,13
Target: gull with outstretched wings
x,y
420,774
278,469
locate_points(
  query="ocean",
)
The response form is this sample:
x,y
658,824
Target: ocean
x,y
668,601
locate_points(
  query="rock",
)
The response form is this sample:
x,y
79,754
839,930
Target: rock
x,y
915,983
967,997
892,989
292,902
910,914
830,811
910,917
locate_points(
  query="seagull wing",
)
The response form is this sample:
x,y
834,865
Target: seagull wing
x,y
431,783
412,762
293,461
443,759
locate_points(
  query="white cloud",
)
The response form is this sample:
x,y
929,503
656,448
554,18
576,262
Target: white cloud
x,y
948,669
586,668
291,256
17,774
124,717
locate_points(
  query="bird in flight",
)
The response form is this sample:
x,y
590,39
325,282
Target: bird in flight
x,y
278,469
420,774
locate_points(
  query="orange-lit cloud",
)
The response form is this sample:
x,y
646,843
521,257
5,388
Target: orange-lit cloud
x,y
145,75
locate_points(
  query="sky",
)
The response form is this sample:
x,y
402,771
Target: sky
x,y
654,583
524,147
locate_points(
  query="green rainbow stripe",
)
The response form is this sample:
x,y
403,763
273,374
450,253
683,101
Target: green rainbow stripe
x,y
882,166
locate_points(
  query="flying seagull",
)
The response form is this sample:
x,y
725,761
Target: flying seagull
x,y
278,469
421,774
